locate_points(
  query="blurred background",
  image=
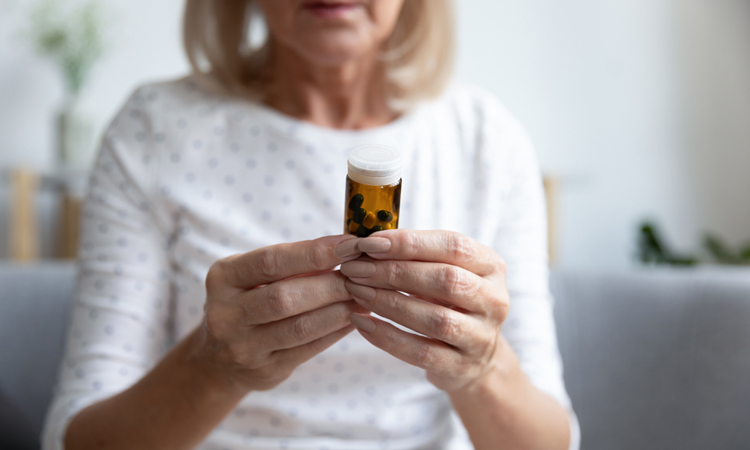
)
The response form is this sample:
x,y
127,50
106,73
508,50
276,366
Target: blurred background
x,y
640,112
639,109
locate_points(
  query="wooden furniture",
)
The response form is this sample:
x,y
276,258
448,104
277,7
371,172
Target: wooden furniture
x,y
24,230
70,223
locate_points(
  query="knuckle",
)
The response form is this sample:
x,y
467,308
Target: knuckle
x,y
281,300
460,247
499,307
318,257
426,356
395,273
446,324
455,281
303,328
267,264
503,309
217,275
391,302
410,243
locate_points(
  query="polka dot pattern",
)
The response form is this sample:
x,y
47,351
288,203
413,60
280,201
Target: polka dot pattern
x,y
185,178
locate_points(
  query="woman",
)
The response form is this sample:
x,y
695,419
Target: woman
x,y
203,227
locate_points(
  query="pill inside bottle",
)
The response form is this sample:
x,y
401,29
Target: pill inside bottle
x,y
373,190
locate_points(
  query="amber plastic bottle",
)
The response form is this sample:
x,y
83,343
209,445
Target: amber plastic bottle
x,y
373,190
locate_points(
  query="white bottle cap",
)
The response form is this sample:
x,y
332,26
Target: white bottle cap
x,y
374,165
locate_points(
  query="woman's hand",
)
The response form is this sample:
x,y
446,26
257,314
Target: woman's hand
x,y
457,299
270,310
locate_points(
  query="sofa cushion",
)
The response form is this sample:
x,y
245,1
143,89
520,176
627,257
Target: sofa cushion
x,y
657,358
34,306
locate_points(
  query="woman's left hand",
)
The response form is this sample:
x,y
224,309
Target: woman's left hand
x,y
457,299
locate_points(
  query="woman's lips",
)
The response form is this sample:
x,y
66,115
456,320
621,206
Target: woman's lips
x,y
330,10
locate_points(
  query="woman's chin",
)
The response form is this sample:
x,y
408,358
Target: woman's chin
x,y
327,55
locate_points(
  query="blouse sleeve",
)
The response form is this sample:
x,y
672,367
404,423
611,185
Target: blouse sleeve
x,y
521,239
118,327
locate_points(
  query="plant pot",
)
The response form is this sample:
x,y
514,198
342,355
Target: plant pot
x,y
75,133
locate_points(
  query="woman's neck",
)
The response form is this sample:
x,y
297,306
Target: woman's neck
x,y
347,96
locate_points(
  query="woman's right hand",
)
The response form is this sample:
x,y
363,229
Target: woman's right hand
x,y
269,310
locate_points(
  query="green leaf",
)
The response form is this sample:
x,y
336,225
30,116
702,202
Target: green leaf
x,y
73,38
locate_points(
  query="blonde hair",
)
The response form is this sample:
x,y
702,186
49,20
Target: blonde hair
x,y
417,58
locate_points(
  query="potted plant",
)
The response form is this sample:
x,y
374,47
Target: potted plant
x,y
73,38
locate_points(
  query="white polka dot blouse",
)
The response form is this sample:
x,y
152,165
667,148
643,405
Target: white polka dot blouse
x,y
185,177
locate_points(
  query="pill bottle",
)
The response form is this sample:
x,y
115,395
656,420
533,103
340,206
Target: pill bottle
x,y
373,190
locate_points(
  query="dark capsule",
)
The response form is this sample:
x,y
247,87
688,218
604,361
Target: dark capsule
x,y
376,228
385,216
363,231
356,202
359,215
348,221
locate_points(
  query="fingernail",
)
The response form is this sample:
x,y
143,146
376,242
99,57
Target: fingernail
x,y
362,323
363,292
358,269
374,245
347,248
